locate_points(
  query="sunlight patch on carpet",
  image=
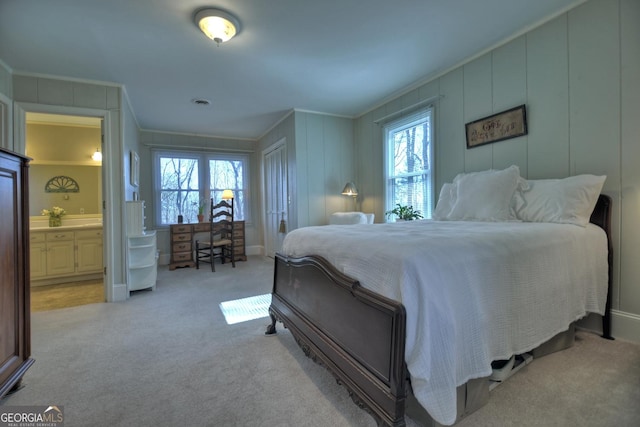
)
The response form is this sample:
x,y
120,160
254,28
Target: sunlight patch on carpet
x,y
244,309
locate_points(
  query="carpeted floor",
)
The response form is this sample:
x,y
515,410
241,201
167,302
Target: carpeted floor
x,y
168,358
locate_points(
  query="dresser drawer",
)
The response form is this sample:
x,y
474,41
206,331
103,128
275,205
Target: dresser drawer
x,y
183,228
36,237
58,236
182,256
201,227
87,234
181,247
181,237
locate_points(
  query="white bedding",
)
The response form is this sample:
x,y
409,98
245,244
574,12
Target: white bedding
x,y
474,292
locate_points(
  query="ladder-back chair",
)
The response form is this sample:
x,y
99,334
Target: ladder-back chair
x,y
220,242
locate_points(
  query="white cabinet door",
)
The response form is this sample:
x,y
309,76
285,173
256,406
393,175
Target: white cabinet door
x,y
38,259
89,255
89,251
60,257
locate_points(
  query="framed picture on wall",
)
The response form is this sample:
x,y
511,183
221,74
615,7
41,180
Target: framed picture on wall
x,y
498,127
135,169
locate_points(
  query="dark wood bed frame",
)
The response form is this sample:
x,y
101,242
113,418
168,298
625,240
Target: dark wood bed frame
x,y
359,335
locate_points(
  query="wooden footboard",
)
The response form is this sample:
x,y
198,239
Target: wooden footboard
x,y
358,335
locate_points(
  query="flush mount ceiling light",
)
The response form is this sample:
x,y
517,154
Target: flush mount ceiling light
x,y
217,24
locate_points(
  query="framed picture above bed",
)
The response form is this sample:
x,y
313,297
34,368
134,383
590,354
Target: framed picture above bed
x,y
498,127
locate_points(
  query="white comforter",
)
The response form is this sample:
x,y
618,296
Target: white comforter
x,y
473,291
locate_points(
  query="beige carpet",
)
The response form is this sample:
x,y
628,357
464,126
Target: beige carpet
x,y
168,358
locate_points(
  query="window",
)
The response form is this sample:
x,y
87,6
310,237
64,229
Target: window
x,y
409,162
228,174
187,180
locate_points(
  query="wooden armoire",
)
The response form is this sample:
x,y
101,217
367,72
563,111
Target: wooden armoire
x,y
15,328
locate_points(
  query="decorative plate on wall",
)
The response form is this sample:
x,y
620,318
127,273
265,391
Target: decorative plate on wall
x,y
61,184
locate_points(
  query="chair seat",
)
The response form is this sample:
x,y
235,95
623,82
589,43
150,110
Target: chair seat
x,y
222,242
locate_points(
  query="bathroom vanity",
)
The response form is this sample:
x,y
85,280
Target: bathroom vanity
x,y
69,253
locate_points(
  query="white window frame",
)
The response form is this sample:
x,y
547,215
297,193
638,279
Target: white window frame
x,y
204,185
408,120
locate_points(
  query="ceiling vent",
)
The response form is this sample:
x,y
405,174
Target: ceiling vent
x,y
201,102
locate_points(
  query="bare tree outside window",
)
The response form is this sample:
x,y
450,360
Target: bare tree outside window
x,y
186,181
409,168
228,175
180,191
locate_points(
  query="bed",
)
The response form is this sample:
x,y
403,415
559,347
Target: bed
x,y
355,310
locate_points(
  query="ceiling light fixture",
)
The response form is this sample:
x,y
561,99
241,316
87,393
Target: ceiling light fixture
x,y
217,24
97,156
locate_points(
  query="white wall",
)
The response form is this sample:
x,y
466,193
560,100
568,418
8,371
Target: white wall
x,y
324,164
60,96
320,151
6,107
579,76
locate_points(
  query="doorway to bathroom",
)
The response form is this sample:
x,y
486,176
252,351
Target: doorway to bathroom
x,y
65,199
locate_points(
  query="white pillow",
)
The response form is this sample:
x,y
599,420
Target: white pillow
x,y
567,201
445,201
485,196
345,218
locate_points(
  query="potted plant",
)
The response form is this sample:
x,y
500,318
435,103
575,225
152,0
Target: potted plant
x,y
201,207
404,213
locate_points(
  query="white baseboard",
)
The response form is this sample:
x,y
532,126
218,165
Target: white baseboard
x,y
120,292
164,259
254,250
625,326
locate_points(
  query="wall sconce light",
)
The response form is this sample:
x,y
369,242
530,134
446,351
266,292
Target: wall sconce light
x,y
97,156
217,24
227,195
350,190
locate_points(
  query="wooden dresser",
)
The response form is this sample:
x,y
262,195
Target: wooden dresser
x,y
181,246
15,313
182,242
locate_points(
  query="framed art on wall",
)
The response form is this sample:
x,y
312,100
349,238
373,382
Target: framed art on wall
x,y
135,168
498,127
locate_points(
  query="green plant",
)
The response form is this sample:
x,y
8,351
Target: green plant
x,y
201,206
405,213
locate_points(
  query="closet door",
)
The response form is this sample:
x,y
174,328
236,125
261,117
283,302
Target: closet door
x,y
276,197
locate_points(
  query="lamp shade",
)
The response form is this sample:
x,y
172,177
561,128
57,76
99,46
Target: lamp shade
x,y
350,189
227,194
97,156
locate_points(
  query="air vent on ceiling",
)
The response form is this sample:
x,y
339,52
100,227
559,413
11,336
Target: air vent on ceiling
x,y
202,102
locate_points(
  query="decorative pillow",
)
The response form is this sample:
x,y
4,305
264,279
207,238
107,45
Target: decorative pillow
x,y
567,201
485,196
445,201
